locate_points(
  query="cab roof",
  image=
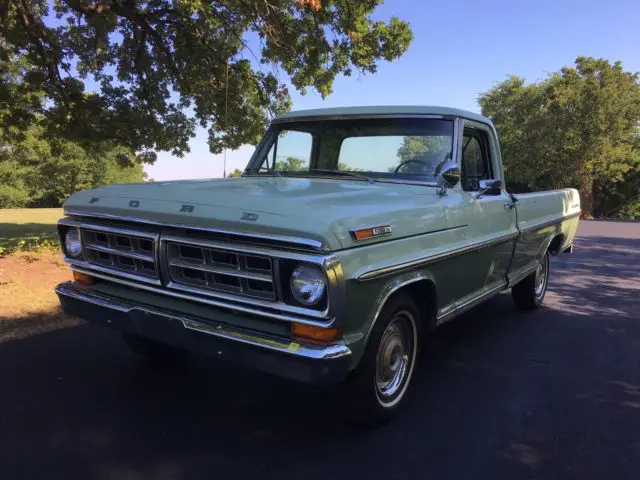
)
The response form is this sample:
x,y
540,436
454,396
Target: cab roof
x,y
382,110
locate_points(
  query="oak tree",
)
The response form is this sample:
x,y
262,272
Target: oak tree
x,y
145,74
579,127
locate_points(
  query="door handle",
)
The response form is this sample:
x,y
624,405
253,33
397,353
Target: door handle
x,y
510,205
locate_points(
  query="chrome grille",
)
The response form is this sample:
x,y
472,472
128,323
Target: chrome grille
x,y
123,251
220,270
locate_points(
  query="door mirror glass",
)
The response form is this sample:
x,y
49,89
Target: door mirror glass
x,y
448,174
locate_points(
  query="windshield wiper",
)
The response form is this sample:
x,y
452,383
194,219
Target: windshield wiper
x,y
359,176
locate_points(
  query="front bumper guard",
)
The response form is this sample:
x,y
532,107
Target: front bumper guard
x,y
316,364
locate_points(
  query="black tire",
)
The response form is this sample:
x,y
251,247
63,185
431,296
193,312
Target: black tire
x,y
369,405
156,353
529,293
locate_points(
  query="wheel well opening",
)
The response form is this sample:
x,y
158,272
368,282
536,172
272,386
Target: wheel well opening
x,y
424,294
556,243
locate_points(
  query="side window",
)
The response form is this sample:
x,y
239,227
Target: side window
x,y
290,152
476,159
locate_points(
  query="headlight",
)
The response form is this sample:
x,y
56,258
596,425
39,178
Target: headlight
x,y
307,284
72,242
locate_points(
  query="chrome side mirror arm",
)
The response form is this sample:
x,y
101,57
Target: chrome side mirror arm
x,y
487,185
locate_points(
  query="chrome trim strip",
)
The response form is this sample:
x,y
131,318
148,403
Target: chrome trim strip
x,y
389,290
101,228
314,352
523,273
270,302
454,149
320,322
280,345
92,268
315,118
304,242
123,253
398,239
261,277
469,304
435,258
550,222
244,250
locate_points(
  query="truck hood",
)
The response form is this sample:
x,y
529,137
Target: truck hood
x,y
320,210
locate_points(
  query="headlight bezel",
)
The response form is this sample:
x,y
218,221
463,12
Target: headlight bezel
x,y
287,271
78,243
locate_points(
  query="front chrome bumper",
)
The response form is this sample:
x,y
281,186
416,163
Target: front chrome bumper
x,y
318,364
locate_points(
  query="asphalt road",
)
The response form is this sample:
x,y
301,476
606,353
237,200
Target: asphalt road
x,y
499,394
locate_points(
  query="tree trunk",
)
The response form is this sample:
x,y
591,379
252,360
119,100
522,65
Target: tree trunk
x,y
586,196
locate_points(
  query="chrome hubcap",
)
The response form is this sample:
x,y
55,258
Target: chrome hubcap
x,y
392,363
541,277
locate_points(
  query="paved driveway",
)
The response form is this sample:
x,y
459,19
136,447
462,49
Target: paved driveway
x,y
500,394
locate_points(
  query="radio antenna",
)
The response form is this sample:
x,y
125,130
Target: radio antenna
x,y
226,111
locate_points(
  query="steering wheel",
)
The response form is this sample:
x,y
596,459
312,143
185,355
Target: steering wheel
x,y
411,160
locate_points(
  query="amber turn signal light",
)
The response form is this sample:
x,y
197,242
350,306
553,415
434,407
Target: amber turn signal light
x,y
364,233
83,278
319,334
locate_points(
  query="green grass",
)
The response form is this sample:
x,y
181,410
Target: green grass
x,y
28,229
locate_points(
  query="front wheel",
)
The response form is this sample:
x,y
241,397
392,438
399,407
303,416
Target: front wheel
x,y
378,387
529,293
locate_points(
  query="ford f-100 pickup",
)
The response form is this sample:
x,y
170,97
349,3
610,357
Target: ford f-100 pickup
x,y
351,234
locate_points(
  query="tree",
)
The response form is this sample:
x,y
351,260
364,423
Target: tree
x,y
415,147
343,167
43,172
579,127
236,173
292,164
145,74
425,148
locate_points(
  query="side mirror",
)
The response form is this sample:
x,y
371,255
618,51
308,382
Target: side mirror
x,y
448,174
486,186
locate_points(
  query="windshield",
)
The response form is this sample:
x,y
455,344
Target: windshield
x,y
403,149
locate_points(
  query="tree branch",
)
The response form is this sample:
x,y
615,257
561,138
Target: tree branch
x,y
36,34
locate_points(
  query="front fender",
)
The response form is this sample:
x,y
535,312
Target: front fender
x,y
375,294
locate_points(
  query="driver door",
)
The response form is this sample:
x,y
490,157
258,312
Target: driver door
x,y
490,226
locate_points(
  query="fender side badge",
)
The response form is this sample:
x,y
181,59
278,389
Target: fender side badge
x,y
368,232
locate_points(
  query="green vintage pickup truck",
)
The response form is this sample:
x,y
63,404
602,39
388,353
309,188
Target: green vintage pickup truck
x,y
352,233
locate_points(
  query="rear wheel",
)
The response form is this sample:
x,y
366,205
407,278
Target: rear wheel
x,y
155,353
529,293
377,389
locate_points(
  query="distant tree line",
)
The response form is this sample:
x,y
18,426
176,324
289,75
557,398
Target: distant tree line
x,y
39,171
579,127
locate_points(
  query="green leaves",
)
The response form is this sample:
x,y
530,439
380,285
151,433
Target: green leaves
x,y
42,172
144,74
578,127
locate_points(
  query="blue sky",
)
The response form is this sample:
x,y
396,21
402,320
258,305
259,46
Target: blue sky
x,y
460,49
